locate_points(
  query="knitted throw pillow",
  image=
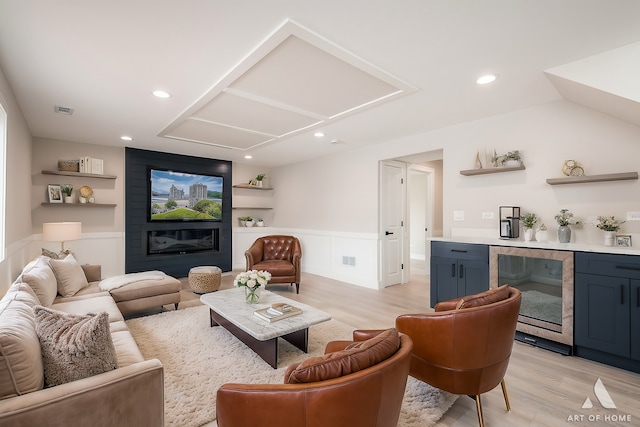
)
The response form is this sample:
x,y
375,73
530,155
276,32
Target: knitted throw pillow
x,y
74,346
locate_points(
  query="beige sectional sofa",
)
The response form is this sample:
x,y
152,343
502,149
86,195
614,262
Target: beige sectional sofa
x,y
132,394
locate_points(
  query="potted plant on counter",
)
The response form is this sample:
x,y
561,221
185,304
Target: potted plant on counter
x,y
564,220
610,225
528,222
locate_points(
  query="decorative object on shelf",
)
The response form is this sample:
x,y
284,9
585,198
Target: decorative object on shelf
x,y
529,220
478,164
495,159
610,225
259,222
252,280
259,179
571,168
512,159
542,234
69,165
243,220
86,194
623,240
249,223
564,219
67,189
55,193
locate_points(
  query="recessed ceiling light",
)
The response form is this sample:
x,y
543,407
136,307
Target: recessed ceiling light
x,y
248,156
161,94
487,79
126,138
318,134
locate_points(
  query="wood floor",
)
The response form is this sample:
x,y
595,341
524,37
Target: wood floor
x,y
545,388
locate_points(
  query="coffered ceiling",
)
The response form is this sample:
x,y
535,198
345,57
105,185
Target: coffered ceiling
x,y
260,78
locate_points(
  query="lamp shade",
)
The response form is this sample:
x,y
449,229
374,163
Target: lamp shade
x,y
61,231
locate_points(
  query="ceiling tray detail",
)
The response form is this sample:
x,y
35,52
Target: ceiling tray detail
x,y
294,81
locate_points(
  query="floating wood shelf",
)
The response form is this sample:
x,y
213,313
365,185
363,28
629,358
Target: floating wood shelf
x,y
593,178
81,205
472,172
78,174
251,187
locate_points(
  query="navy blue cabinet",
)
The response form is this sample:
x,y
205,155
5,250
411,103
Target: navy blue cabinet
x,y
607,308
458,269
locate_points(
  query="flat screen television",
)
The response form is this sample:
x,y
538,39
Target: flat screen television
x,y
183,196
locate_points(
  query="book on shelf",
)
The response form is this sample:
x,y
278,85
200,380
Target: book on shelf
x,y
277,312
91,165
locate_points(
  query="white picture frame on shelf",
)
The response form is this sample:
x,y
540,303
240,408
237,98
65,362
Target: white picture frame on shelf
x,y
55,193
623,240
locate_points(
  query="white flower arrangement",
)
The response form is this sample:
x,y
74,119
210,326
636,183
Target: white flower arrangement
x,y
252,279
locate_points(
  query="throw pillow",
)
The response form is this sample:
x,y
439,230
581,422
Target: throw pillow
x,y
485,298
356,357
42,280
74,346
69,275
55,255
21,369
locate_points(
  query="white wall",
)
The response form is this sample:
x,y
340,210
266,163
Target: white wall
x,y
339,193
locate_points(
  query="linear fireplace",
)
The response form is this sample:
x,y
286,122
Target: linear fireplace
x,y
182,241
545,278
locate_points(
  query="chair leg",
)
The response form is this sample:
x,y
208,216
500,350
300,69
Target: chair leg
x,y
479,410
297,288
506,397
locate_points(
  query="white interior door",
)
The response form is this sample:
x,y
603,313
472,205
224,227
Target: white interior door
x,y
393,253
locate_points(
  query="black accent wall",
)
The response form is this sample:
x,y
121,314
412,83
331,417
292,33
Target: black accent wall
x,y
137,224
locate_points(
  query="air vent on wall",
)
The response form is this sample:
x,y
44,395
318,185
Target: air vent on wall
x,y
63,110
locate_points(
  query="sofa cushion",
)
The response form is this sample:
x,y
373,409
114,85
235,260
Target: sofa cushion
x,y
42,280
21,369
484,298
55,255
74,346
69,275
355,357
81,305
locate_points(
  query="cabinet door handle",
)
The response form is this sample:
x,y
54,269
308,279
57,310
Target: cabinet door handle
x,y
638,297
461,271
625,267
621,294
462,251
453,270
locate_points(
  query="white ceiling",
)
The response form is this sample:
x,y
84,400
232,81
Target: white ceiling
x,y
245,79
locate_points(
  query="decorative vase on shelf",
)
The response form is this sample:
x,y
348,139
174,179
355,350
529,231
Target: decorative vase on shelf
x,y
609,238
528,234
252,295
564,234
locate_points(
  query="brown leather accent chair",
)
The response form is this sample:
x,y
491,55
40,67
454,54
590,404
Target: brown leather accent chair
x,y
279,255
368,397
465,345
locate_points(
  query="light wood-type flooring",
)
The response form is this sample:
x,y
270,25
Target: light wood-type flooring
x,y
545,388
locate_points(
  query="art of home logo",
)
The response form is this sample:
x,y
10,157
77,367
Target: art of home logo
x,y
606,402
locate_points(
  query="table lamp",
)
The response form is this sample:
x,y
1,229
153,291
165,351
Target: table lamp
x,y
61,232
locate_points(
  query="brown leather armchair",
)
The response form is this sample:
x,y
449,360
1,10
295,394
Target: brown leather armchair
x,y
279,255
371,397
465,345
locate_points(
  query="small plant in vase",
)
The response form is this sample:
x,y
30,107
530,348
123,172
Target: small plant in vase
x,y
610,225
528,222
252,280
564,220
512,159
259,179
243,220
67,189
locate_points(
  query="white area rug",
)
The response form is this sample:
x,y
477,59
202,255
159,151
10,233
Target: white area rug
x,y
198,359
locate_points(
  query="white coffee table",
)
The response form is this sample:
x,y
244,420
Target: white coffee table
x,y
228,309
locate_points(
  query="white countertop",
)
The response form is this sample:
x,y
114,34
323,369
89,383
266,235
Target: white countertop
x,y
520,243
